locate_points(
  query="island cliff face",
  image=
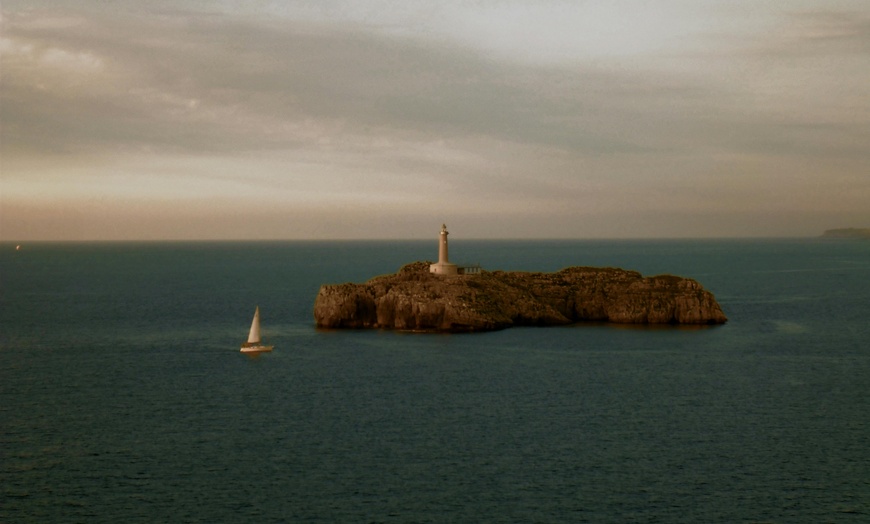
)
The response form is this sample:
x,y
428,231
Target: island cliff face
x,y
414,299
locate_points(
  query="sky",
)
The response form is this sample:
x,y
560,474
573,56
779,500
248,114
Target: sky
x,y
376,119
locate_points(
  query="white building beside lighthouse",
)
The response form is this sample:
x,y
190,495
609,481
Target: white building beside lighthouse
x,y
443,266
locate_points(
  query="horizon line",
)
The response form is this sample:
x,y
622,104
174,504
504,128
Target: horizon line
x,y
402,239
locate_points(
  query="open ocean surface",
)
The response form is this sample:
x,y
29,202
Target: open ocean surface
x,y
124,398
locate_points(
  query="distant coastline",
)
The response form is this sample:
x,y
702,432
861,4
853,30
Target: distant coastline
x,y
850,232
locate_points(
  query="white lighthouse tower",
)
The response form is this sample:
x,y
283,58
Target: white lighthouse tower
x,y
443,266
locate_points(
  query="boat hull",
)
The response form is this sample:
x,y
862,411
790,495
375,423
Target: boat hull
x,y
256,349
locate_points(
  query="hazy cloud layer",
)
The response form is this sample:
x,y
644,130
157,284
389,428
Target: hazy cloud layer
x,y
337,120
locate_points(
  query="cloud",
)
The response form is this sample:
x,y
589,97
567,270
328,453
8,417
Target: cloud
x,y
349,106
821,32
205,83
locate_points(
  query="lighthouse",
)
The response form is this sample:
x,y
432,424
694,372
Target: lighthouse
x,y
443,266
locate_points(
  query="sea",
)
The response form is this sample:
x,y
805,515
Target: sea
x,y
124,397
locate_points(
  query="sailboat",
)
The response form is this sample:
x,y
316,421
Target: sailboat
x,y
254,345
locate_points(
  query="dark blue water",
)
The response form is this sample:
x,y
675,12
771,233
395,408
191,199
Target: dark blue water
x,y
124,398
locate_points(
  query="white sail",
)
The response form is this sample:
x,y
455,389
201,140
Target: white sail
x,y
254,346
254,334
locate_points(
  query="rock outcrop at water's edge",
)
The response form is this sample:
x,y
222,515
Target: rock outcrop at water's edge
x,y
414,299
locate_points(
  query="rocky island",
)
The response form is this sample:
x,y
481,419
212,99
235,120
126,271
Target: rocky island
x,y
418,299
442,296
850,232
